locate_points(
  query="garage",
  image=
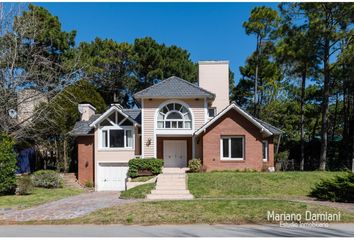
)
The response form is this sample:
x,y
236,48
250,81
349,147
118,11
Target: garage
x,y
111,176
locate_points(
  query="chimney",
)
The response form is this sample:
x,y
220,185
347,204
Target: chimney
x,y
86,110
214,77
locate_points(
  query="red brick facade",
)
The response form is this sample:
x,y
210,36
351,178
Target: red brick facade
x,y
234,124
85,148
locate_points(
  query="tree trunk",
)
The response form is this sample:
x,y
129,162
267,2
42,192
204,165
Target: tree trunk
x,y
335,118
302,107
65,154
326,93
255,113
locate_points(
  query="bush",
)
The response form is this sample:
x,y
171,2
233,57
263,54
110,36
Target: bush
x,y
195,165
24,185
89,184
47,179
8,166
339,189
152,165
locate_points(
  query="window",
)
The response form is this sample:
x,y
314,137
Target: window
x,y
265,150
211,112
232,148
117,138
116,131
174,115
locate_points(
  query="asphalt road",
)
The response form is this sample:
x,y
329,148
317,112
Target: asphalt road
x,y
334,230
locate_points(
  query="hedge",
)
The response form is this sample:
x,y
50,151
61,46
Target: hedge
x,y
153,165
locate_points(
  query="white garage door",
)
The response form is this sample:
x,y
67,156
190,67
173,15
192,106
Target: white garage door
x,y
111,176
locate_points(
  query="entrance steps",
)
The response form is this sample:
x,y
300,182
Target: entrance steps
x,y
171,185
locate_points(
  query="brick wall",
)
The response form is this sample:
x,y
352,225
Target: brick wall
x,y
234,124
85,159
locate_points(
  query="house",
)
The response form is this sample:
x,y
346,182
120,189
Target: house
x,y
177,121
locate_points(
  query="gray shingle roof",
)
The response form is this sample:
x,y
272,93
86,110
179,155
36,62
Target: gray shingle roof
x,y
174,87
83,127
271,128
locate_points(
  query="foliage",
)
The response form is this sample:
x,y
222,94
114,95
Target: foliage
x,y
89,184
195,165
7,164
24,185
47,179
153,165
338,189
138,192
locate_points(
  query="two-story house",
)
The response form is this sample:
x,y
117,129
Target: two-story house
x,y
178,121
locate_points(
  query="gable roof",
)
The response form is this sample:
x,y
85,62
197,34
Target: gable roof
x,y
174,87
264,127
111,110
83,128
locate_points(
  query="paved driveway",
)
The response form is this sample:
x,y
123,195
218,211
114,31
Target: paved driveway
x,y
335,230
66,208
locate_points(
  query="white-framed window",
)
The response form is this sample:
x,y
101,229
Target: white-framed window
x,y
116,132
174,115
232,148
265,150
211,112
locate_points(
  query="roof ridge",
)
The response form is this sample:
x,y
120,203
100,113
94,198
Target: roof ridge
x,y
176,78
195,86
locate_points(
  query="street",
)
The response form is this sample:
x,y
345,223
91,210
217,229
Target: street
x,y
334,230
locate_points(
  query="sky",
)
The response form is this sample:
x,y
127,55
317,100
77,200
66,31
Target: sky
x,y
209,31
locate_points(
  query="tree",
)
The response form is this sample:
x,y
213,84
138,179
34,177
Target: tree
x,y
262,23
61,115
154,62
108,65
329,24
8,164
296,51
32,47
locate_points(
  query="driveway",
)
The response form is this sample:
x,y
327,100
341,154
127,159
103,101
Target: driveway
x,y
335,230
66,208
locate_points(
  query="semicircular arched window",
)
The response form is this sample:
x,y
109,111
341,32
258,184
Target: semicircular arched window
x,y
174,115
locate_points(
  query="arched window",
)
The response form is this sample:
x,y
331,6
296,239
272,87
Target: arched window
x,y
174,115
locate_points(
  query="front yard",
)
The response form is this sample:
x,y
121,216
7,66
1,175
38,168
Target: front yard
x,y
200,211
279,185
37,197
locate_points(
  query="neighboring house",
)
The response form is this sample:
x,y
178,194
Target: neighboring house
x,y
178,121
27,101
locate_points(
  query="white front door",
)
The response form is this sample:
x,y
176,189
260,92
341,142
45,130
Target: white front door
x,y
175,153
111,177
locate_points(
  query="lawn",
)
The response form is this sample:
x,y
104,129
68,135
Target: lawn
x,y
142,179
285,185
138,192
200,211
38,196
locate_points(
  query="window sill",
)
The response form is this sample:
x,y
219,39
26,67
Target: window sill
x,y
265,160
115,149
232,159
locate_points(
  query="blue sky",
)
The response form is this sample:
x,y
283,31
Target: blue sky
x,y
209,31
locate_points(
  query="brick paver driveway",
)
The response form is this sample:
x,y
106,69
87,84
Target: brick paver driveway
x,y
66,208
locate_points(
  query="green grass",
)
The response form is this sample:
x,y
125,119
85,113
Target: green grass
x,y
142,179
255,184
38,196
138,192
200,211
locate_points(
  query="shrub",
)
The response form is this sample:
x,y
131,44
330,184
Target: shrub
x,y
89,184
153,165
339,189
8,166
24,185
47,179
195,165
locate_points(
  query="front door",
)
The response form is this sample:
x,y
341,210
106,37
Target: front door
x,y
175,153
